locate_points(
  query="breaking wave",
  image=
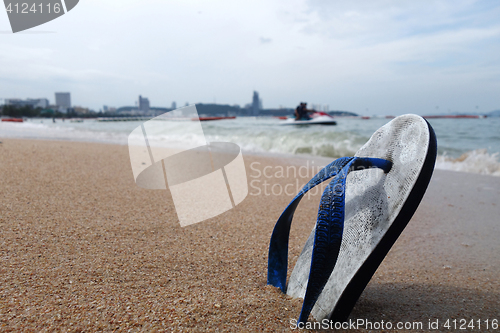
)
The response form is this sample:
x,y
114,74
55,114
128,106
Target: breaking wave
x,y
458,149
475,161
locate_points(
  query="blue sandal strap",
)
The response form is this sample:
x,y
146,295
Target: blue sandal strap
x,y
329,230
278,246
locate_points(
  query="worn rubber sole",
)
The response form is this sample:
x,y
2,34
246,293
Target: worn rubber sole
x,y
378,208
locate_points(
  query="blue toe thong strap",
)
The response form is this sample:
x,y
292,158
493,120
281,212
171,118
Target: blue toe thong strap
x,y
278,247
329,228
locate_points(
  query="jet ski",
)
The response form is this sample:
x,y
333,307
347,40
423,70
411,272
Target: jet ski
x,y
317,118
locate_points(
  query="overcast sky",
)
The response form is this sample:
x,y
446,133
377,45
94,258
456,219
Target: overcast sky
x,y
370,57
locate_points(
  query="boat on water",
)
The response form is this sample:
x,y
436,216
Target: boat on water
x,y
317,118
460,116
212,118
14,120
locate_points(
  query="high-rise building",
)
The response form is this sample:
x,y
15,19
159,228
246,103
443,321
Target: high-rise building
x,y
256,104
63,101
143,104
174,105
34,103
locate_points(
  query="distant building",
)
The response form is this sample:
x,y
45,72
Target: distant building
x,y
81,110
256,104
174,106
105,108
321,107
143,104
34,103
63,101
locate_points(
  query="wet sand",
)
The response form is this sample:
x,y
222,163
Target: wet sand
x,y
82,248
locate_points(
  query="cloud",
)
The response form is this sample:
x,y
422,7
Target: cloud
x,y
383,20
264,40
378,54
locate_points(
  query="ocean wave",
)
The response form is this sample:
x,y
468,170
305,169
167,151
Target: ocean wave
x,y
475,161
311,142
264,136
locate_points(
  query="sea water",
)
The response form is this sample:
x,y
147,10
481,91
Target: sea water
x,y
469,145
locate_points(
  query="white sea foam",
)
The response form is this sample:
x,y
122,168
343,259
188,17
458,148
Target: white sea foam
x,y
475,161
460,143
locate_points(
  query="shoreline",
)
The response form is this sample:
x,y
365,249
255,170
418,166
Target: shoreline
x,y
84,248
443,162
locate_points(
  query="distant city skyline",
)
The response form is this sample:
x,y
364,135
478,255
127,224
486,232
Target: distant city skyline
x,y
369,57
32,102
63,101
142,105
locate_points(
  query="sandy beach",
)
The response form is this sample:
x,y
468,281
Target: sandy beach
x,y
83,249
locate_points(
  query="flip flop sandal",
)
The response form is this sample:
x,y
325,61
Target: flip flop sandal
x,y
362,212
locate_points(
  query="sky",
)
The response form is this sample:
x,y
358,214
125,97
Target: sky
x,y
367,56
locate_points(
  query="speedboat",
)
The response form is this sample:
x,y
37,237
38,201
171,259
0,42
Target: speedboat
x,y
14,120
317,118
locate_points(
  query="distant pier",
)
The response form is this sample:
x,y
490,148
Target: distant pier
x,y
123,119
